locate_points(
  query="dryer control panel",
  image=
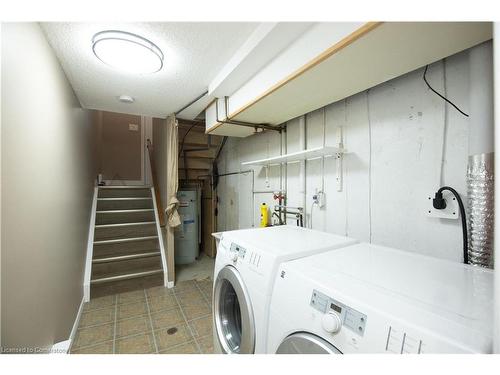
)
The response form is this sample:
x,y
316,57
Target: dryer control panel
x,y
238,250
350,318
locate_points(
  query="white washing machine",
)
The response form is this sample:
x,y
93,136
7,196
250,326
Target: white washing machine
x,y
370,299
244,274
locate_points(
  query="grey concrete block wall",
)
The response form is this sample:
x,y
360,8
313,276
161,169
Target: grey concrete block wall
x,y
396,134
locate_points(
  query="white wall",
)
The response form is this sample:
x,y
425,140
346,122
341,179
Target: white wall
x,y
48,173
396,134
496,103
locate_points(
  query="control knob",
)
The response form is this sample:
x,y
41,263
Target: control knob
x,y
234,256
331,323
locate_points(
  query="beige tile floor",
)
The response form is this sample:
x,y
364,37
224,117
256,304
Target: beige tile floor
x,y
202,268
155,320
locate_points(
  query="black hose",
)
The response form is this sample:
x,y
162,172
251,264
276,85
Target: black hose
x,y
464,220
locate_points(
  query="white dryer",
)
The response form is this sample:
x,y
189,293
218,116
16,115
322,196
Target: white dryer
x,y
245,270
370,299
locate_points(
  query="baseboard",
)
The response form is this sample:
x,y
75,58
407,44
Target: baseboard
x,y
170,284
86,292
90,247
63,347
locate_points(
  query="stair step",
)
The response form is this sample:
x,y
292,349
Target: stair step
x,y
124,216
126,276
124,203
119,225
123,240
126,257
126,248
124,199
125,211
125,266
107,187
118,231
124,192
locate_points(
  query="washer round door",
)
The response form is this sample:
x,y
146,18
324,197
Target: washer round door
x,y
306,343
233,314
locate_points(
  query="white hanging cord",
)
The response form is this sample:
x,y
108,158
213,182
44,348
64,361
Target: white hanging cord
x,y
311,216
445,128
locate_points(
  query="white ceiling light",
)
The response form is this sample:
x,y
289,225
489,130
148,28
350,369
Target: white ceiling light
x,y
127,52
126,99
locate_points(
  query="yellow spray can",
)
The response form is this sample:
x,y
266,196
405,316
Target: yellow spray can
x,y
264,215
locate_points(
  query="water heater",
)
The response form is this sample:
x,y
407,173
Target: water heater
x,y
186,234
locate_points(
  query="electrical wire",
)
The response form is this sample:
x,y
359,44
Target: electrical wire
x,y
464,221
445,130
438,94
184,138
224,140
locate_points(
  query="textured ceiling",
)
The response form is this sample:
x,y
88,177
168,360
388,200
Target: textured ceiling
x,y
194,54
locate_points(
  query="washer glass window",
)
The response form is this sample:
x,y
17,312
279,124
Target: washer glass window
x,y
233,313
230,316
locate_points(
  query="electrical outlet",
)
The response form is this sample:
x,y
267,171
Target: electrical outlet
x,y
315,199
451,211
319,198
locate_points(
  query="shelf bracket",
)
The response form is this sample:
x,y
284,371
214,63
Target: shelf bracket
x,y
227,120
338,159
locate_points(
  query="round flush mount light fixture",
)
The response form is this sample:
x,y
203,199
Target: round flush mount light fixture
x,y
127,52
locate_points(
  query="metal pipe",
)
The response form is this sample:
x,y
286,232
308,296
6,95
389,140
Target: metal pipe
x,y
299,216
285,168
232,173
496,118
191,103
480,192
480,168
303,174
245,123
280,221
300,209
242,123
288,212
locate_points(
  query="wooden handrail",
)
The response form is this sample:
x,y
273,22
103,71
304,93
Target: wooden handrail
x,y
159,205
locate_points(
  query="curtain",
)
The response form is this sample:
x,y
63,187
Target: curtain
x,y
173,219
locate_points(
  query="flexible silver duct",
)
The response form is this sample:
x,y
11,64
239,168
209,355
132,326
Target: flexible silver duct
x,y
480,192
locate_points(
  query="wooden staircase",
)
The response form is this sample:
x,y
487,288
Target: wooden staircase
x,y
126,249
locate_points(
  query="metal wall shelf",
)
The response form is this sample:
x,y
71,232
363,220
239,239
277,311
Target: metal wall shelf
x,y
313,153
